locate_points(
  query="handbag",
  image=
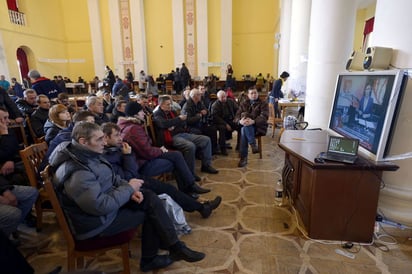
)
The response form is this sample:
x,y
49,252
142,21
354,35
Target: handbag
x,y
176,214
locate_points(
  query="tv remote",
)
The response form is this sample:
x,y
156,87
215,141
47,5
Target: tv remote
x,y
345,253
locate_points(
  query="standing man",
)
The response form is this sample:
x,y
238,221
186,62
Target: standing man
x,y
252,116
4,83
129,78
43,85
184,76
277,93
99,203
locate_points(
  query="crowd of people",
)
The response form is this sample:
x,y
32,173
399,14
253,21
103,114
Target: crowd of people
x,y
106,161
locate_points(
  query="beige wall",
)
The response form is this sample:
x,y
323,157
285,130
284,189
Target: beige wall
x,y
254,26
52,37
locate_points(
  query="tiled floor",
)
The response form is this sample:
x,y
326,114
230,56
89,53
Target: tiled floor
x,y
248,233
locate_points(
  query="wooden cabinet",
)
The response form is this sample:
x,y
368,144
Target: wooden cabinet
x,y
335,201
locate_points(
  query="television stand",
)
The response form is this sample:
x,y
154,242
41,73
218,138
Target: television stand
x,y
335,201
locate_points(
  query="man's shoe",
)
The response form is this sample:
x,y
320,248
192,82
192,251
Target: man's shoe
x,y
228,146
223,151
160,261
242,162
185,253
197,178
209,169
209,206
198,189
255,148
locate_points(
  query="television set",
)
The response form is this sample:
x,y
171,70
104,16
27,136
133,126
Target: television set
x,y
365,107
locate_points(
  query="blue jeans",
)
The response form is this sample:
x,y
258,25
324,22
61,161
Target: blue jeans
x,y
187,143
247,136
10,216
171,161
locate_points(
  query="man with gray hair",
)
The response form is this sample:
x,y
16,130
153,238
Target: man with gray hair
x,y
94,104
43,85
223,113
198,118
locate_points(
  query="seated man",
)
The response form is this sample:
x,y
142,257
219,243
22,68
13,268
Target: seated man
x,y
65,135
16,201
153,160
10,106
172,132
123,160
27,105
95,105
198,118
98,202
252,116
223,112
40,115
10,170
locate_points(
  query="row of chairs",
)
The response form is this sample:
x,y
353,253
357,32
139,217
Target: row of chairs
x,y
32,157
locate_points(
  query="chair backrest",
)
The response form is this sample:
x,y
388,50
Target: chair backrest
x,y
20,134
151,128
47,177
32,157
33,135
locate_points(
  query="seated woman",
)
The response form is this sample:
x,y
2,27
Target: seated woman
x,y
154,161
59,118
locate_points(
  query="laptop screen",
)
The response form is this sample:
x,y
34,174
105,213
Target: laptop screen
x,y
344,146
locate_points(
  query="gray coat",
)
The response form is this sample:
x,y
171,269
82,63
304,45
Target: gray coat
x,y
89,190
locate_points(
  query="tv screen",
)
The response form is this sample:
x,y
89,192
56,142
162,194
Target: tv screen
x,y
365,107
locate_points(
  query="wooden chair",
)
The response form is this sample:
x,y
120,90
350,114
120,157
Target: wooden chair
x,y
273,121
169,86
76,249
260,145
35,139
32,158
151,128
20,133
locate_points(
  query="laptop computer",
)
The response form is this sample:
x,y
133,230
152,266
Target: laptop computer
x,y
341,149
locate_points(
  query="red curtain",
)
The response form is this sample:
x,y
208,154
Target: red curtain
x,y
368,26
24,66
12,5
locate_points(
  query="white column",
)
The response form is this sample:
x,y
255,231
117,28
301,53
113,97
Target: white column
x,y
282,39
226,34
178,32
332,27
299,42
202,38
115,31
391,29
96,37
138,35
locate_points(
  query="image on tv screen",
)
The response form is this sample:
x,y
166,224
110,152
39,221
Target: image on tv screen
x,y
360,107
